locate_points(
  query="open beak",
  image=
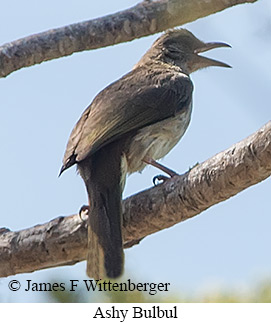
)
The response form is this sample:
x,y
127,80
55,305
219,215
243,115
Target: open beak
x,y
209,46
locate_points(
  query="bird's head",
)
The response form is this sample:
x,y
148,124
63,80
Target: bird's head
x,y
180,47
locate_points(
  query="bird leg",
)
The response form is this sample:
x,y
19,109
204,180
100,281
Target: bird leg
x,y
154,163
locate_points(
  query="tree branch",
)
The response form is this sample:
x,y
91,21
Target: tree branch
x,y
63,241
146,18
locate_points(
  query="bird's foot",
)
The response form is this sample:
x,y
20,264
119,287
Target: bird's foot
x,y
83,212
154,163
160,178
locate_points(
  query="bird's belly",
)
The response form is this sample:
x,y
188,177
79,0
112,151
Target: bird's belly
x,y
156,140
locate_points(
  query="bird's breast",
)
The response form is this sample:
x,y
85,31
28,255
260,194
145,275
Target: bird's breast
x,y
156,140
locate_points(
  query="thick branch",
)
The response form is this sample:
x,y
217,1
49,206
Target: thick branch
x,y
146,18
62,241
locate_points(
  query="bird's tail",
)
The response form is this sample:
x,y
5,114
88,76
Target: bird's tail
x,y
105,250
95,257
102,176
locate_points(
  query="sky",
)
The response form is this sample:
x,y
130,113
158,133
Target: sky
x,y
227,246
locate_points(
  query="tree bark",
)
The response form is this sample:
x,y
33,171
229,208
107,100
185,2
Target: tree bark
x,y
63,241
146,18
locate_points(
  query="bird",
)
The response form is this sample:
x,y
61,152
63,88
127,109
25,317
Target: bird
x,y
133,122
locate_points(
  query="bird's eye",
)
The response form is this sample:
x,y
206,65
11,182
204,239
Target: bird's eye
x,y
172,52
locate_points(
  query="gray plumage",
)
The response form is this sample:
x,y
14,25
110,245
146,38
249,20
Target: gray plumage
x,y
142,115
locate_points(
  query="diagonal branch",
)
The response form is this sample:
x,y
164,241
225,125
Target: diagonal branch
x,y
146,18
63,241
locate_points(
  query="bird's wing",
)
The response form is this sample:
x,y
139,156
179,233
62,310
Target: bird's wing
x,y
133,102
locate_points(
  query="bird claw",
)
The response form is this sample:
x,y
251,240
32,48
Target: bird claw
x,y
83,212
159,179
